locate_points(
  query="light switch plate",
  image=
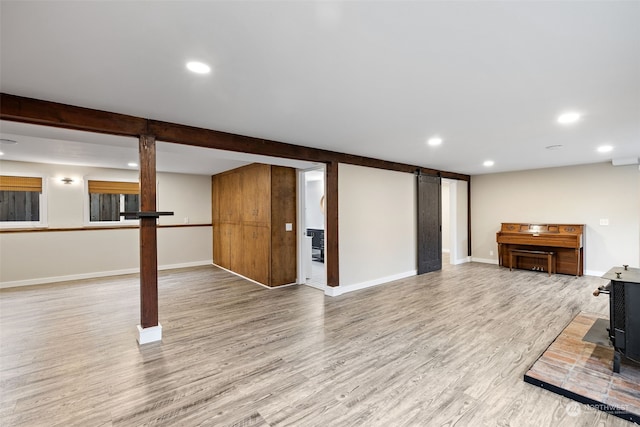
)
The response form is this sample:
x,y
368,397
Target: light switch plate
x,y
604,221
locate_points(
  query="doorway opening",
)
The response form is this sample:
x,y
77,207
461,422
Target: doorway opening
x,y
454,221
311,219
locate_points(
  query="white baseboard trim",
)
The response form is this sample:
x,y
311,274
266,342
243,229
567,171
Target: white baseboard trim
x,y
241,276
594,273
315,286
334,291
147,335
485,260
185,265
253,281
96,274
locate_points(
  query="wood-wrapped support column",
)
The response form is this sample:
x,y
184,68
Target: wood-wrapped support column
x,y
331,232
149,329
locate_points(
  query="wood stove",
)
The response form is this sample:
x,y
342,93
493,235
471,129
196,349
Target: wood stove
x,y
624,309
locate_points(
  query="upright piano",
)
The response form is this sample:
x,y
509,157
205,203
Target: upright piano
x,y
566,241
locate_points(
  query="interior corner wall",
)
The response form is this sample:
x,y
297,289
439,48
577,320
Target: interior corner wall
x,y
50,256
446,214
376,225
459,202
566,195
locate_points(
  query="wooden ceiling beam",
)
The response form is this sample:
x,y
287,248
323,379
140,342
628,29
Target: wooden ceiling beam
x,y
188,135
47,113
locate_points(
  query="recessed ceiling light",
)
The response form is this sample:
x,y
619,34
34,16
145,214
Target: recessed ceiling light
x,y
554,147
488,163
132,164
604,148
198,67
1,153
7,141
569,118
436,140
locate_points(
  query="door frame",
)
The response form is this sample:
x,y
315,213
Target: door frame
x,y
458,220
302,226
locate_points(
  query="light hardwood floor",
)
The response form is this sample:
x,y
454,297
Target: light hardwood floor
x,y
445,348
318,275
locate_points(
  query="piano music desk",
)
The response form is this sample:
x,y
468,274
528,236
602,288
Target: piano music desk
x,y
550,256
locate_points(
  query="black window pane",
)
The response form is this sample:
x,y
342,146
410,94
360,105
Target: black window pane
x,y
19,206
104,207
131,204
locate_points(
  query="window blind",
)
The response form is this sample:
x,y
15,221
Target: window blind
x,y
20,183
113,187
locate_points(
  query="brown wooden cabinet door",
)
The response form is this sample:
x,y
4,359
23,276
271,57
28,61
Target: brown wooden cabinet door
x,y
229,197
215,202
222,245
256,248
227,252
235,250
218,250
256,194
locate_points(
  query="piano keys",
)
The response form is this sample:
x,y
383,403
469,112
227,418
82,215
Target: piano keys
x,y
566,241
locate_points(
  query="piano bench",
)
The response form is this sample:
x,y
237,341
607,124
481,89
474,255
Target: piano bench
x,y
533,254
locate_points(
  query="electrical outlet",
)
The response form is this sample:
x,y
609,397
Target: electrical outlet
x,y
491,253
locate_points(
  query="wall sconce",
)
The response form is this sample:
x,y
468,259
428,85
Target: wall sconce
x,y
67,180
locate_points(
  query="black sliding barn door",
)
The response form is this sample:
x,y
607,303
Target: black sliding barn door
x,y
429,224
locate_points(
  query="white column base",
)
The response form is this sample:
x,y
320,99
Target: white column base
x,y
147,335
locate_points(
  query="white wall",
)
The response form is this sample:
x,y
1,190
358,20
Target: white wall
x,y
314,218
41,257
577,194
376,225
192,206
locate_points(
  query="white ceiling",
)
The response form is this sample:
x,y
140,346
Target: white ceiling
x,y
368,78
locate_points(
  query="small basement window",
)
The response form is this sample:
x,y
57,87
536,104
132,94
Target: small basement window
x,y
21,201
107,199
